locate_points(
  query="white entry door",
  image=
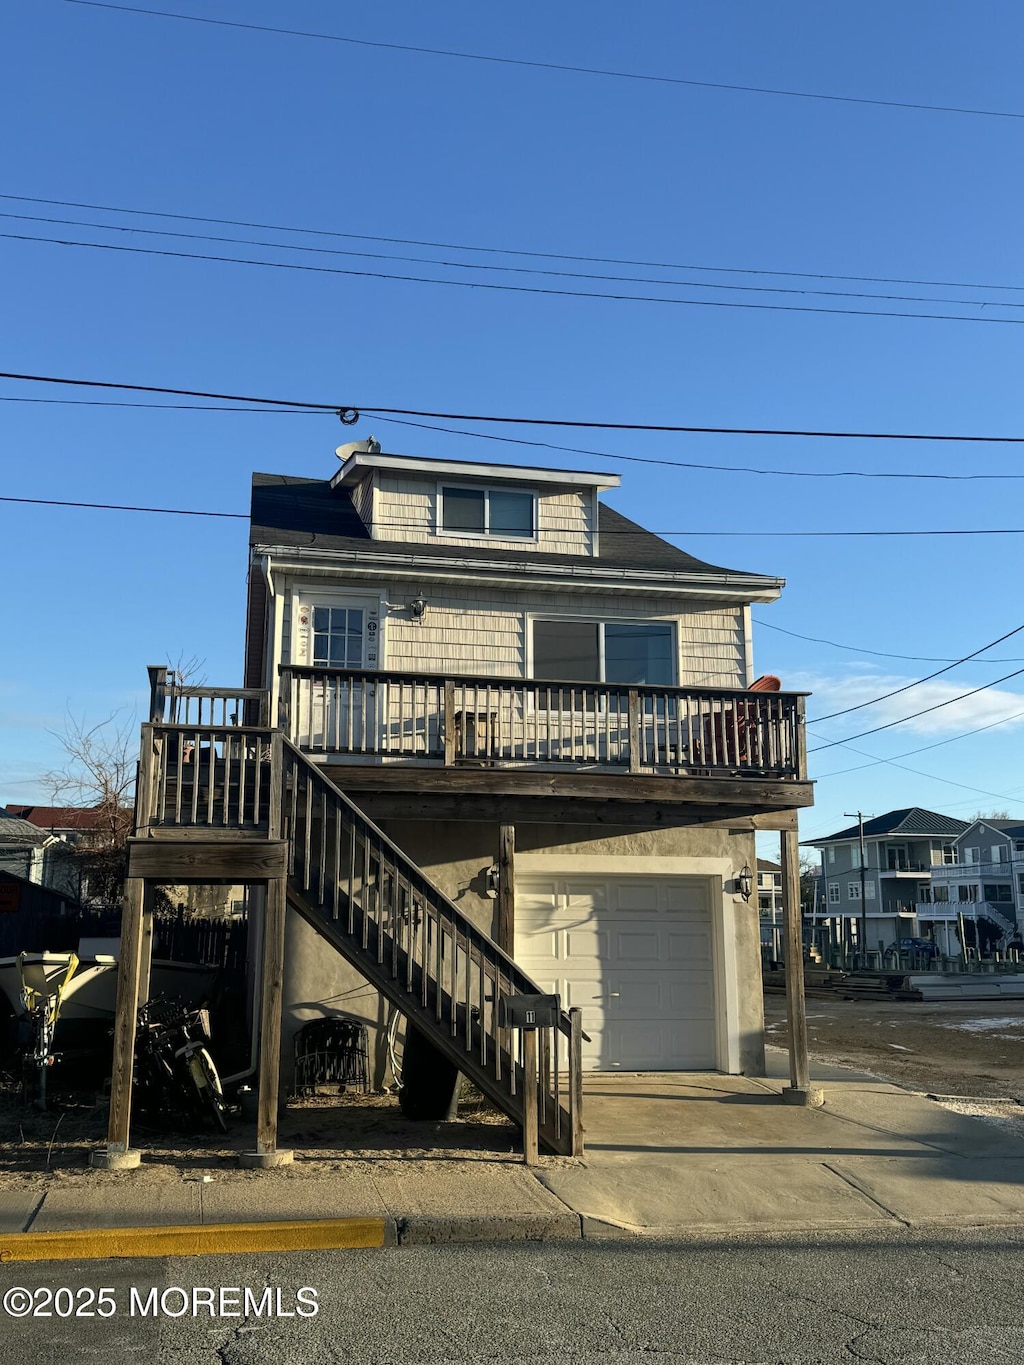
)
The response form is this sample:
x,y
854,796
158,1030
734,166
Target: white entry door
x,y
340,634
635,954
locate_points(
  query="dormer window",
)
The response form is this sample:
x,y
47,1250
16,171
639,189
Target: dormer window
x,y
506,513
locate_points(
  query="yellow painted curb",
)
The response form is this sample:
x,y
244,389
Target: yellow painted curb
x,y
328,1234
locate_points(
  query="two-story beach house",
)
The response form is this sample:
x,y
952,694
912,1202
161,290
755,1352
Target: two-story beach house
x,y
495,738
889,890
980,883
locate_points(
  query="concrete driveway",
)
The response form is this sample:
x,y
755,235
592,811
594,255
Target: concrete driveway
x,y
702,1151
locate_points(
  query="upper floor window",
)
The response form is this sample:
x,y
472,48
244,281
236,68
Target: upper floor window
x,y
503,512
948,855
604,651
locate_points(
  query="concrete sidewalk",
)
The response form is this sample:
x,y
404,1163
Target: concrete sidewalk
x,y
668,1155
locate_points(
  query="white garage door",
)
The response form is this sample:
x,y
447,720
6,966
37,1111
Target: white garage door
x,y
635,954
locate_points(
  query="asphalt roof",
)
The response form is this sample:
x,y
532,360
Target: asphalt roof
x,y
292,511
911,820
14,830
58,817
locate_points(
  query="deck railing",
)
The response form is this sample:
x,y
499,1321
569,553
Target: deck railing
x,y
175,703
206,778
388,716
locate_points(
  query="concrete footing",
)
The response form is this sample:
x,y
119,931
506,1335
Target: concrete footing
x,y
103,1159
809,1097
265,1161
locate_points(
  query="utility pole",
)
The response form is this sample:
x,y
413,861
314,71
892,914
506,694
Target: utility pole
x,y
863,879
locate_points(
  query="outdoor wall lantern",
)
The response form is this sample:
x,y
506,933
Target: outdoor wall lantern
x,y
746,882
417,608
491,879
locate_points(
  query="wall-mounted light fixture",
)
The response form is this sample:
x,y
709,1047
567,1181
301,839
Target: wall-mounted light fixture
x,y
417,608
745,882
491,877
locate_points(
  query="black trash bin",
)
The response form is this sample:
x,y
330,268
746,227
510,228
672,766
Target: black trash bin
x,y
430,1082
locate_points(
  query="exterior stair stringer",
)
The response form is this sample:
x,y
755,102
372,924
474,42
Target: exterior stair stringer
x,y
377,909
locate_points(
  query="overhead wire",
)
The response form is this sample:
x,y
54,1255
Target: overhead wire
x,y
537,290
940,743
818,720
382,412
511,269
608,531
512,251
889,725
696,464
877,653
551,445
635,76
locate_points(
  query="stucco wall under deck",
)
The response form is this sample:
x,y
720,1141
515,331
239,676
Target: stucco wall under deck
x,y
456,858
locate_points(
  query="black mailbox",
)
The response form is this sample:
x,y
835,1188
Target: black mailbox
x,y
528,1011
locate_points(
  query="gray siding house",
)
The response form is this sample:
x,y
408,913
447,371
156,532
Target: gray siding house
x,y
891,889
983,882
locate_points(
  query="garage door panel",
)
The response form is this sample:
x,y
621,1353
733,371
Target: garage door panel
x,y
635,954
634,946
689,946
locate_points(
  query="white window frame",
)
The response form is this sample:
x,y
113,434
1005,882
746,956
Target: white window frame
x,y
831,853
442,531
834,893
853,891
869,891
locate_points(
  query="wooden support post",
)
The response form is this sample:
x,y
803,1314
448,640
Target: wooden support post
x,y
635,751
146,956
116,1155
449,723
506,925
530,1129
157,693
800,1090
267,1153
576,1079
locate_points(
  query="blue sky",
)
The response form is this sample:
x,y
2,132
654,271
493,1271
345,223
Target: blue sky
x,y
152,113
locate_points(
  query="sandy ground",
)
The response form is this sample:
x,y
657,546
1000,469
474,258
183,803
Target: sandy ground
x,y
325,1133
970,1050
947,1047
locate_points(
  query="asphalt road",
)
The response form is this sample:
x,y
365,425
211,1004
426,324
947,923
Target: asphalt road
x,y
895,1299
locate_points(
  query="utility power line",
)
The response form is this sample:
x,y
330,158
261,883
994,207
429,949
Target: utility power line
x,y
350,413
512,251
395,524
939,744
634,76
548,272
878,653
818,720
538,290
552,445
914,715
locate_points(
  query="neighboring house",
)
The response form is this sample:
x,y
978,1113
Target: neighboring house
x,y
22,847
982,880
74,833
521,736
769,904
903,850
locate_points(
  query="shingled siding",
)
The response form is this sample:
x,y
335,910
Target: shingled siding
x,y
484,633
406,510
362,500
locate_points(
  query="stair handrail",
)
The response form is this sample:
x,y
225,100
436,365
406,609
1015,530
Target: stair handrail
x,y
481,940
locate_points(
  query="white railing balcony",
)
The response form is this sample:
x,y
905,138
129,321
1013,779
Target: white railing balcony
x,y
422,718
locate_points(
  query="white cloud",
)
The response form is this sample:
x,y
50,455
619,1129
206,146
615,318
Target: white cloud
x,y
986,707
